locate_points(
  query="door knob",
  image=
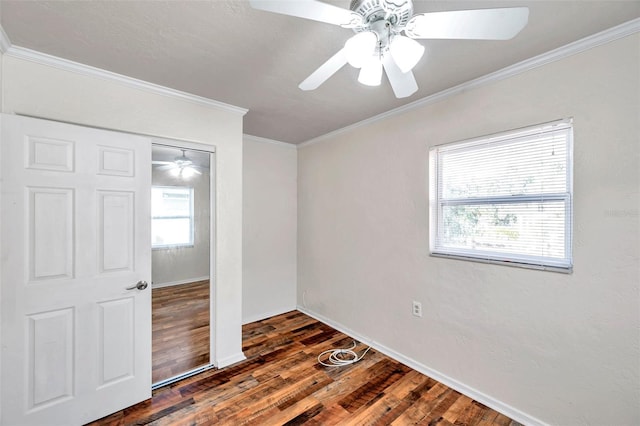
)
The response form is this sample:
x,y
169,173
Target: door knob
x,y
140,285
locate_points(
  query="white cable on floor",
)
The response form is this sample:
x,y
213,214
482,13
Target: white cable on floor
x,y
337,356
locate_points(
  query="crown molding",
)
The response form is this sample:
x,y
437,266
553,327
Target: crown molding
x,y
269,141
87,70
5,43
595,40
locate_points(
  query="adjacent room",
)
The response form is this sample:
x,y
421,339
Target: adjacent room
x,y
180,261
320,212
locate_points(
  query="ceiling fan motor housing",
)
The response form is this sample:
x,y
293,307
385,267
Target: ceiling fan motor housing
x,y
396,12
182,160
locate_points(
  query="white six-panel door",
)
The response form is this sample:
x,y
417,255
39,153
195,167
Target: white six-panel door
x,y
75,234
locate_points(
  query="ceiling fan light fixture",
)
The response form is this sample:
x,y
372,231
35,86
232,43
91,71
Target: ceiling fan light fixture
x,y
406,52
379,24
186,172
360,47
371,73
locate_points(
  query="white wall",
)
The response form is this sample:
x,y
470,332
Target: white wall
x,y
179,265
269,229
556,348
57,93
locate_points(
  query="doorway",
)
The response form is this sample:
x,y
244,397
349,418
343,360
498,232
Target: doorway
x,y
181,261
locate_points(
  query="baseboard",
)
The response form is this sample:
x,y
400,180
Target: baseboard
x,y
487,400
232,359
260,317
172,283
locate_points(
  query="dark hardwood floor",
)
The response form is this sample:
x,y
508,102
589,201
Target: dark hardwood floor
x,y
282,383
180,322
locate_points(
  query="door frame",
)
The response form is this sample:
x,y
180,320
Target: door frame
x,y
211,149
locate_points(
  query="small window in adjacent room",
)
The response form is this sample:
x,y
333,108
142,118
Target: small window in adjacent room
x,y
505,198
172,216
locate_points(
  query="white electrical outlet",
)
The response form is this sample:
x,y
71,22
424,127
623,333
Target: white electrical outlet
x,y
417,309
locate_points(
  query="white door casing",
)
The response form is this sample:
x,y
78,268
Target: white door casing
x,y
75,208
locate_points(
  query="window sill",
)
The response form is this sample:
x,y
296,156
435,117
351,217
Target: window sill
x,y
563,270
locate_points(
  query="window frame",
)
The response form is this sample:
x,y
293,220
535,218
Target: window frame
x,y
191,218
436,203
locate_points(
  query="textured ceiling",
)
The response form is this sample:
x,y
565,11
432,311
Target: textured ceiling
x,y
224,50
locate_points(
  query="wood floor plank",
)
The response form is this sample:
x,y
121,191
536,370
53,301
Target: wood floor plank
x,y
421,407
397,398
502,420
306,415
457,408
439,407
180,329
488,418
281,383
387,373
252,398
472,414
331,415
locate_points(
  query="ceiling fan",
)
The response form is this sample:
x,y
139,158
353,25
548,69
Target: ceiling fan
x,y
181,166
379,43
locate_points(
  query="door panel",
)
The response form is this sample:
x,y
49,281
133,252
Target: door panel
x,y
50,228
75,233
117,346
51,356
49,154
115,230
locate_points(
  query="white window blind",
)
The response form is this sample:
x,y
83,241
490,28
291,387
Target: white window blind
x,y
172,216
505,198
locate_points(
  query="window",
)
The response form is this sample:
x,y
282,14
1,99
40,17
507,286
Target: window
x,y
172,216
505,198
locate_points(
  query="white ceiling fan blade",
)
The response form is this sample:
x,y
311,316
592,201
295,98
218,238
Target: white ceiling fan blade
x,y
311,9
325,71
482,24
161,162
166,167
403,84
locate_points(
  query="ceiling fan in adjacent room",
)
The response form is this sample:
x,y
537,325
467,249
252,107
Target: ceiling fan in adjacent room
x,y
379,43
181,166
